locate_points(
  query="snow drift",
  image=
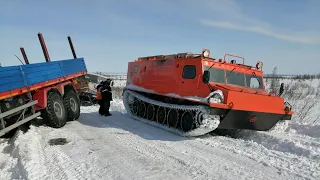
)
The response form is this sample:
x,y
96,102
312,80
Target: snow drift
x,y
118,147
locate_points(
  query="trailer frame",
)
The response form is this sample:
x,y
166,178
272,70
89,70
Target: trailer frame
x,y
36,95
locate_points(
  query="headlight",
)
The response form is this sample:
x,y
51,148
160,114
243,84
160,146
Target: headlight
x,y
287,107
216,97
206,53
259,65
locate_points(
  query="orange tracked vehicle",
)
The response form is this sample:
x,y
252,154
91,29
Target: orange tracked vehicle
x,y
194,94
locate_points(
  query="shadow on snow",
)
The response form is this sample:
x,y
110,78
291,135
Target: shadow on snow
x,y
121,121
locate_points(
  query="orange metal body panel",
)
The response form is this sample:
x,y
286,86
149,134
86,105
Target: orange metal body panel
x,y
165,77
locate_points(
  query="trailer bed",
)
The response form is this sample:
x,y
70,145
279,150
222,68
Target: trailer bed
x,y
15,80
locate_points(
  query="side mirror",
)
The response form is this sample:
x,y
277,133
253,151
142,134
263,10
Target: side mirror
x,y
206,76
281,90
111,83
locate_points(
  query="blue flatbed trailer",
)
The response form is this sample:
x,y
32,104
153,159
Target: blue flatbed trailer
x,y
47,89
16,80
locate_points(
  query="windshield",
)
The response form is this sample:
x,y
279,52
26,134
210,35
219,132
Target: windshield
x,y
216,75
235,78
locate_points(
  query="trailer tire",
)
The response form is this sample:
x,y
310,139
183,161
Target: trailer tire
x,y
72,104
55,114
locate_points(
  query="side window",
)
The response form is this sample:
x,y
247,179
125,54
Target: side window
x,y
189,72
254,83
135,69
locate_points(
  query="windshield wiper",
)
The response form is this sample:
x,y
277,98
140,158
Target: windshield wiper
x,y
230,72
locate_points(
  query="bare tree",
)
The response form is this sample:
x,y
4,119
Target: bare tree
x,y
275,82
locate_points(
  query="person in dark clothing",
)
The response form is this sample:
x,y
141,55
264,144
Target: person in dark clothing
x,y
99,97
106,93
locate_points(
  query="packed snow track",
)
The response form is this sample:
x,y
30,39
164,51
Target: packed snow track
x,y
118,147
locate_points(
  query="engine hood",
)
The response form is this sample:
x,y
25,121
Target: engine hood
x,y
228,87
247,99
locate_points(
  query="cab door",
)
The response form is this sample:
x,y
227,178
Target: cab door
x,y
189,79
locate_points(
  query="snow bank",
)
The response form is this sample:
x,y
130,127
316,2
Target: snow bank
x,y
6,161
304,96
304,129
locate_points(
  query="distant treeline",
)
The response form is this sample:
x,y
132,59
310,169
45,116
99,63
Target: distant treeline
x,y
123,76
304,76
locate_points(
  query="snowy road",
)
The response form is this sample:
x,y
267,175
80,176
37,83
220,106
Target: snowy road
x,y
118,147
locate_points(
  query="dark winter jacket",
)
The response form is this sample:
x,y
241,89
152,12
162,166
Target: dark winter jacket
x,y
100,85
106,93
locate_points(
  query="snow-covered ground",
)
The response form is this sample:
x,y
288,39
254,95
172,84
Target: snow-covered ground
x,y
120,83
304,96
118,147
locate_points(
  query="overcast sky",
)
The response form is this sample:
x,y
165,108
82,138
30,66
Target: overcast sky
x,y
110,33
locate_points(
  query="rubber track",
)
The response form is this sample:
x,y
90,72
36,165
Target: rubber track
x,y
208,124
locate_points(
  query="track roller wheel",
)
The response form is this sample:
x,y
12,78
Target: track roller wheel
x,y
173,118
161,115
151,110
187,121
142,109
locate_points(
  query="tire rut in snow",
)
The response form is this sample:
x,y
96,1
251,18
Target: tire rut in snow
x,y
39,160
145,154
206,166
205,163
194,164
60,162
63,159
288,166
14,163
9,161
178,163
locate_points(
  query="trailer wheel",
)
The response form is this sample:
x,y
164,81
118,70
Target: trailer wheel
x,y
55,114
72,104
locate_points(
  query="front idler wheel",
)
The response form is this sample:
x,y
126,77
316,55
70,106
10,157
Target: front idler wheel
x,y
200,118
